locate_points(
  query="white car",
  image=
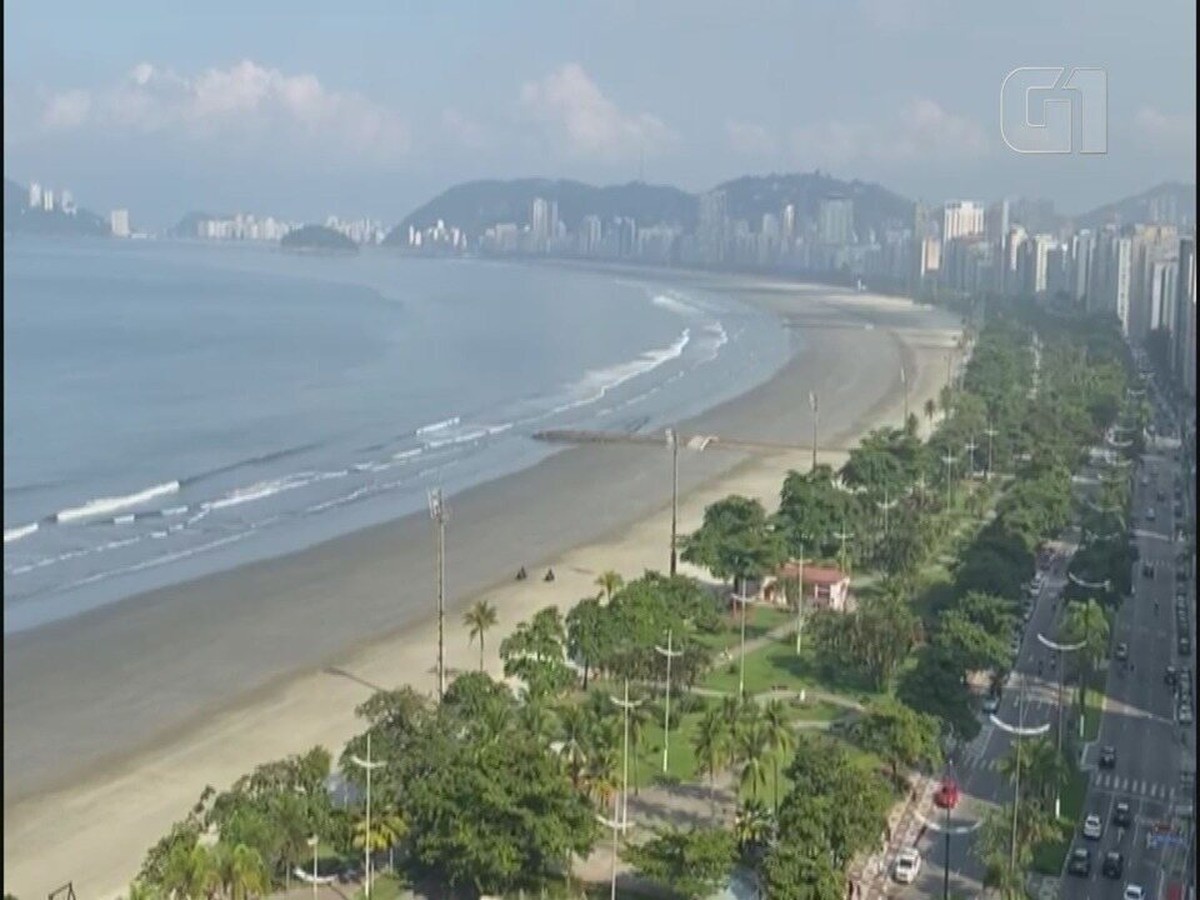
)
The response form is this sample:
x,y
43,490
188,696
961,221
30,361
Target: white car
x,y
991,704
1092,827
1134,892
1185,715
908,864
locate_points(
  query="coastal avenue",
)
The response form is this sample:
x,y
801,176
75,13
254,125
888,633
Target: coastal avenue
x,y
1140,720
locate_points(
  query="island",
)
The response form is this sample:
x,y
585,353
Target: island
x,y
317,239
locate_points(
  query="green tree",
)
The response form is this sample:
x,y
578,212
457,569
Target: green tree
x,y
692,863
191,872
536,654
802,872
609,582
899,735
242,872
780,741
753,750
1087,622
589,635
735,541
712,743
480,618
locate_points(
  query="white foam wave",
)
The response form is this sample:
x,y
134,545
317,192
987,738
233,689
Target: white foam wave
x,y
407,454
675,305
596,384
109,505
126,519
464,438
438,426
175,511
15,534
258,491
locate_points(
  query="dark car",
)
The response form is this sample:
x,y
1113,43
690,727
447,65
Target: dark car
x,y
1185,645
1170,676
1122,815
1080,862
1162,495
1122,651
1147,570
1108,758
1113,865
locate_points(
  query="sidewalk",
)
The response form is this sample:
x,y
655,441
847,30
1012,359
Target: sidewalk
x,y
872,876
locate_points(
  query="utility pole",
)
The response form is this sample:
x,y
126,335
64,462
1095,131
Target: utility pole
x,y
842,537
1062,650
673,440
1018,732
625,706
742,600
438,512
886,506
949,460
670,653
904,382
368,766
815,406
800,603
970,448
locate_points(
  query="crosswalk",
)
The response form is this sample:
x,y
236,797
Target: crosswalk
x,y
1118,784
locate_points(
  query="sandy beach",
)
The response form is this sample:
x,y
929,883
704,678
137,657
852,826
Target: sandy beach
x,y
115,721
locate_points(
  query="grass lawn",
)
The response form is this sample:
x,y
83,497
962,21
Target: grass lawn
x,y
1092,714
777,666
384,887
1048,858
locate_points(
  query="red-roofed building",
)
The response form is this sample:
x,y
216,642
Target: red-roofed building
x,y
825,587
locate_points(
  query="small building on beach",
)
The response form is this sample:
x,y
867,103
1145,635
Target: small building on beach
x,y
825,587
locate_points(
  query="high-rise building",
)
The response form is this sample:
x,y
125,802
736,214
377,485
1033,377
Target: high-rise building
x,y
836,221
48,200
712,227
961,218
541,225
1185,312
35,195
1082,245
789,225
67,203
119,221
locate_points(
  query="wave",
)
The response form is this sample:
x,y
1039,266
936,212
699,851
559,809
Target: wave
x,y
262,459
258,491
108,505
438,426
596,384
675,305
15,534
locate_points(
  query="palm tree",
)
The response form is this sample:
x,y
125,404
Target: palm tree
x,y
243,872
479,618
930,409
610,582
1087,622
572,720
191,872
387,830
711,744
639,719
141,890
753,749
753,827
1045,768
780,740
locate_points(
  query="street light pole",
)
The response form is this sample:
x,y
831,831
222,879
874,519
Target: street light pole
x,y
673,438
312,842
617,827
625,706
437,511
991,433
1061,650
949,460
815,405
1018,732
970,448
368,766
842,537
670,654
800,602
742,601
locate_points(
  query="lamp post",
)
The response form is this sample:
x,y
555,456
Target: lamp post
x,y
625,706
800,602
843,536
815,405
368,766
904,382
312,842
1018,731
949,459
617,827
673,440
1060,649
670,654
438,512
947,798
970,448
886,506
991,433
743,601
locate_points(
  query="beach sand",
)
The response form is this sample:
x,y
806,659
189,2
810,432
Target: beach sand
x,y
115,721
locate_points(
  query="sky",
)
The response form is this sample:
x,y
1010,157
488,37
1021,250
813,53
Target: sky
x,y
304,109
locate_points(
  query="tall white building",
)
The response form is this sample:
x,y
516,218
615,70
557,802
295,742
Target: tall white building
x,y
35,196
836,221
712,227
48,200
119,221
962,218
1082,246
67,203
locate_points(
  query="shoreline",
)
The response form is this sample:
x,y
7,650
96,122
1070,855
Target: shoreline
x,y
611,514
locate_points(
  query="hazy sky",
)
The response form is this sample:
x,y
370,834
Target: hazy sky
x,y
370,108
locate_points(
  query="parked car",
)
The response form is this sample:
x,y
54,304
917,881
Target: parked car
x,y
991,703
1080,862
1122,815
1113,865
1122,653
908,865
1185,715
1134,892
1093,828
1108,758
1171,676
1147,570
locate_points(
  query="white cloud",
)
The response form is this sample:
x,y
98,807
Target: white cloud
x,y
242,101
921,132
462,130
573,110
748,139
1166,131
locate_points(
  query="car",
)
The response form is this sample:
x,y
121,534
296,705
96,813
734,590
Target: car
x,y
1134,892
1184,645
1122,653
1150,514
1108,758
991,703
1185,715
1147,570
1122,815
908,864
1113,865
1080,862
1161,496
1171,677
1093,828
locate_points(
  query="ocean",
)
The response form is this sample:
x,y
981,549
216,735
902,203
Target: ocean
x,y
173,410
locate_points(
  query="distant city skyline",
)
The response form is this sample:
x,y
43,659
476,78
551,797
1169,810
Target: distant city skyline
x,y
372,112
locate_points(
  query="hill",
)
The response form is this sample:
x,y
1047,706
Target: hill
x,y
21,218
1170,203
477,205
752,196
317,238
188,226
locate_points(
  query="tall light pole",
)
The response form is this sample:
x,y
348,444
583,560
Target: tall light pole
x,y
815,405
670,653
886,506
368,766
904,383
1061,650
949,460
625,706
313,842
970,448
843,536
673,440
743,601
439,514
617,827
949,832
991,433
800,602
1018,732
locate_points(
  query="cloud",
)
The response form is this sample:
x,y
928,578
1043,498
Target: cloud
x,y
462,130
573,111
1168,132
921,132
244,101
748,139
